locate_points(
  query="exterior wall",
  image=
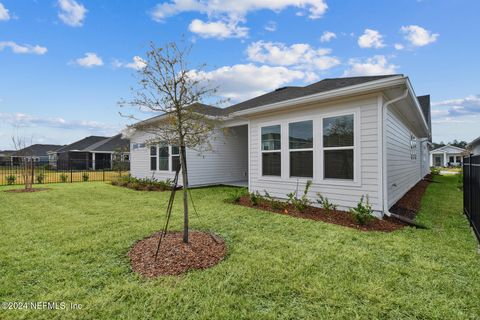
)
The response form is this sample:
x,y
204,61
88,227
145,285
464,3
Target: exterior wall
x,y
227,161
344,193
403,172
476,149
425,158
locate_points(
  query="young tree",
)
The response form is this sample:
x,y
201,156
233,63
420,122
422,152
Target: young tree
x,y
26,159
168,86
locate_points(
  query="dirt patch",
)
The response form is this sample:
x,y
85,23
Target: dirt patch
x,y
203,251
409,205
342,218
27,190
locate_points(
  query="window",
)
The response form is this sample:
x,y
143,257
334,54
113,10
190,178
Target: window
x,y
136,146
300,140
459,159
413,147
153,158
338,147
175,158
126,157
271,154
450,159
163,158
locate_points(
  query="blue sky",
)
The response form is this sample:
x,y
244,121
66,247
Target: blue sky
x,y
65,64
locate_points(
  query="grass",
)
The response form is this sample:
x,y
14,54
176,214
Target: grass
x,y
70,243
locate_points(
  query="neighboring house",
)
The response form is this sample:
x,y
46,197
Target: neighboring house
x,y
5,157
447,156
37,152
350,136
474,146
93,152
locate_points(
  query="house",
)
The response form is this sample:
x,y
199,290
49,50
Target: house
x,y
351,136
93,152
5,157
447,156
37,152
474,146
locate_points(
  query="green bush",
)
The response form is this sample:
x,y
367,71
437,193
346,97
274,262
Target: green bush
x,y
255,198
435,171
362,213
85,177
11,179
325,203
40,178
143,184
236,195
274,204
63,177
303,202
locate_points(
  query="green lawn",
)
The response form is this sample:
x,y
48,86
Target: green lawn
x,y
70,244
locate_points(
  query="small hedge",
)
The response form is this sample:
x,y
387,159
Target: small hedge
x,y
144,184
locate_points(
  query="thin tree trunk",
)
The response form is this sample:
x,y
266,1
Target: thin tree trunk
x,y
183,161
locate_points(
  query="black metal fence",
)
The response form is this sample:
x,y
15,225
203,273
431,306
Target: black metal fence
x,y
41,172
471,191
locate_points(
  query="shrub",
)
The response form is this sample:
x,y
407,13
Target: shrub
x,y
435,171
40,178
236,195
274,204
11,179
143,184
362,213
325,203
63,177
85,177
303,202
255,198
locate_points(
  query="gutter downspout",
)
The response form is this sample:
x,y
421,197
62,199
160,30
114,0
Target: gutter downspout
x,y
384,163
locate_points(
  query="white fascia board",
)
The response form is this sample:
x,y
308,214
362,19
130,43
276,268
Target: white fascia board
x,y
350,90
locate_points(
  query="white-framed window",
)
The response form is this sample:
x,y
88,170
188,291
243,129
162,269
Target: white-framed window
x,y
271,150
163,158
338,152
413,147
136,146
175,156
300,144
153,157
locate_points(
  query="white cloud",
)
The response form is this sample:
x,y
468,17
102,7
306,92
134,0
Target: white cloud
x,y
376,65
235,9
467,106
271,26
219,29
418,36
90,60
371,39
28,120
4,14
72,13
243,81
136,64
16,48
399,46
299,55
327,36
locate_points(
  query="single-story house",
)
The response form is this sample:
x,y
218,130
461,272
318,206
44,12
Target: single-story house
x,y
37,152
5,157
91,153
353,137
447,156
474,146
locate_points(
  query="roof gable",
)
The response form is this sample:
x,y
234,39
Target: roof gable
x,y
449,149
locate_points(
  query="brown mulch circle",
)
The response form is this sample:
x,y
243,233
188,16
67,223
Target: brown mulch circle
x,y
27,190
335,217
204,250
409,205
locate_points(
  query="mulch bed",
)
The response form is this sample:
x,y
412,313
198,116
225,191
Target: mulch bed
x,y
409,205
203,251
27,190
335,217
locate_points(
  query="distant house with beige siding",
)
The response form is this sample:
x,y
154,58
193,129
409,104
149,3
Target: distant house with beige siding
x,y
351,136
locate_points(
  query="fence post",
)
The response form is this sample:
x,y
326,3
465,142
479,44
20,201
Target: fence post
x,y
71,171
103,168
470,188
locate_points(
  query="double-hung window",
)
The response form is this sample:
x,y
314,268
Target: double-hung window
x,y
338,147
300,141
153,158
271,151
175,158
163,158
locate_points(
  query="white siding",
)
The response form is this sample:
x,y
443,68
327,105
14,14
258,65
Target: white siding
x,y
403,172
227,161
343,193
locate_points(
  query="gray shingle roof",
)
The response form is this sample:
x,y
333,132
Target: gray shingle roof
x,y
112,144
38,150
425,105
81,144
